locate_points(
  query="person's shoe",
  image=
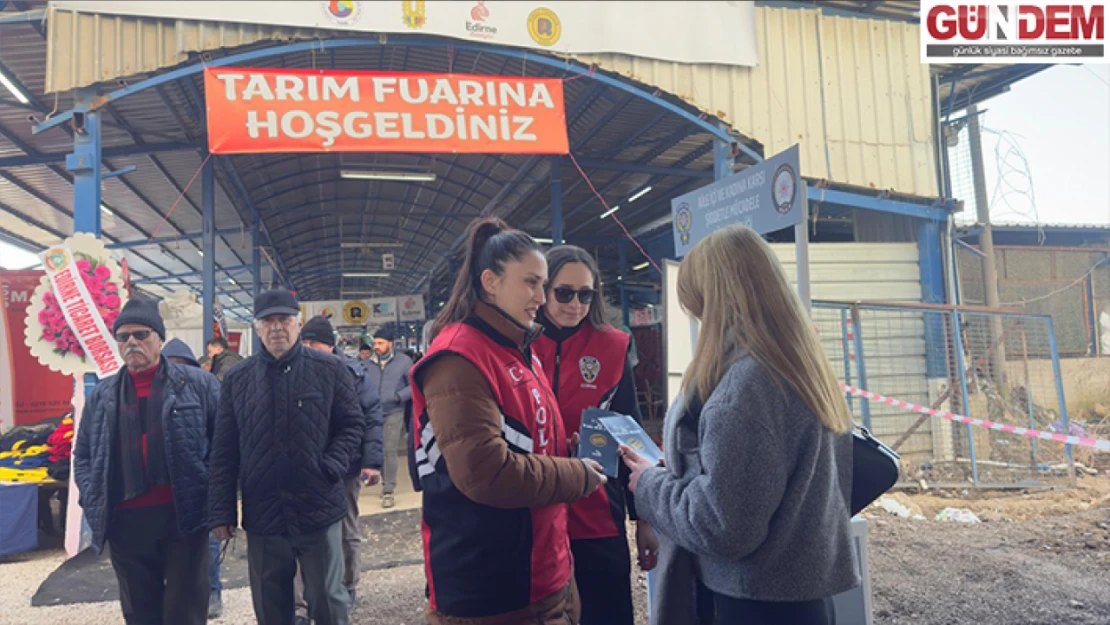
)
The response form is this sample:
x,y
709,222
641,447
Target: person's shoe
x,y
351,599
215,604
302,620
387,500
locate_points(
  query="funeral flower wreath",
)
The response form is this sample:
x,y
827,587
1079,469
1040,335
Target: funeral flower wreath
x,y
48,333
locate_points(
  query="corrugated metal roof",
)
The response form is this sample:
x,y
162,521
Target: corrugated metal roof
x,y
853,84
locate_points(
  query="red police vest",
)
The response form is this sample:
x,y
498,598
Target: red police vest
x,y
585,371
479,560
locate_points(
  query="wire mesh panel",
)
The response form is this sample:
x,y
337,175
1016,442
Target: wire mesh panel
x,y
998,367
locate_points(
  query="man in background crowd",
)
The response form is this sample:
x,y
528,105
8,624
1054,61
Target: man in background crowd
x,y
390,370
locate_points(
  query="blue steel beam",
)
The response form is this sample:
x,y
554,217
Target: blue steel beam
x,y
180,190
529,166
190,274
883,205
287,232
475,173
583,102
315,184
122,245
23,17
646,169
692,156
236,180
62,173
526,56
112,152
556,201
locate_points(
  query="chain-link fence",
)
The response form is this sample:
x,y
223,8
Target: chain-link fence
x,y
999,367
1072,285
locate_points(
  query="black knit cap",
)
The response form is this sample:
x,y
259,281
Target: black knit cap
x,y
365,347
385,334
141,312
318,329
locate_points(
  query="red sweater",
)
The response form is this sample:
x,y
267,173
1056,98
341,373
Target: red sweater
x,y
159,494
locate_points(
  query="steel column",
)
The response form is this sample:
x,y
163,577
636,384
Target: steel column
x,y
622,257
256,273
861,367
85,165
722,156
965,401
1060,395
208,219
556,201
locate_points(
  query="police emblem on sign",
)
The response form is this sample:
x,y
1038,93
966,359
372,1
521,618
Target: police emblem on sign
x,y
685,222
590,368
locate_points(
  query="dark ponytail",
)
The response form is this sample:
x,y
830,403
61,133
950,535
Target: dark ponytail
x,y
491,245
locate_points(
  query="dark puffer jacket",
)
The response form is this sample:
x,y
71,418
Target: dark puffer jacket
x,y
369,455
285,434
188,418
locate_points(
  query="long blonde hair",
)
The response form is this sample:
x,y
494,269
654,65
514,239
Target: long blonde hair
x,y
733,283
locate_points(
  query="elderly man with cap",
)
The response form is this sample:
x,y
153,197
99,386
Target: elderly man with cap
x,y
140,464
390,371
318,334
289,423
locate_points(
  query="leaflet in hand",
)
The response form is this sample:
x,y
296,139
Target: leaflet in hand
x,y
595,442
627,432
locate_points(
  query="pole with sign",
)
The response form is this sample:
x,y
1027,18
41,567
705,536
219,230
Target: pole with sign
x,y
765,197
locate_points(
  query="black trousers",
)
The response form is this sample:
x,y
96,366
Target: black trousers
x,y
603,573
717,609
163,575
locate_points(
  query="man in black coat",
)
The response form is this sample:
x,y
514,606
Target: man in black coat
x,y
289,423
318,334
140,464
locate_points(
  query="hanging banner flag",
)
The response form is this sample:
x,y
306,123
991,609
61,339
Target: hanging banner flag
x,y
220,320
80,309
411,307
302,110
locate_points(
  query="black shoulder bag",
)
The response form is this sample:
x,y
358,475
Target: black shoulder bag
x,y
874,468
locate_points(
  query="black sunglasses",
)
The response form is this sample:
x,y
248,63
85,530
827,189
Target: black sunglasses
x,y
564,295
140,335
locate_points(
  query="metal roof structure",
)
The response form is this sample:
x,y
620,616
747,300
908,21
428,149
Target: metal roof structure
x,y
315,225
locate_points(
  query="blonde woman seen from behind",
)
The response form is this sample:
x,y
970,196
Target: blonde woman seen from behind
x,y
752,508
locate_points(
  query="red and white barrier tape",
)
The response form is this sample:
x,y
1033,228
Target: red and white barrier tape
x,y
1093,443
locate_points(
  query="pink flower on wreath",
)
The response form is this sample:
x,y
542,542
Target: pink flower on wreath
x,y
102,272
44,317
60,344
76,350
112,301
110,287
49,299
84,266
47,334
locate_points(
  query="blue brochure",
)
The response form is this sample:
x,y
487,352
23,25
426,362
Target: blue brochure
x,y
627,432
595,442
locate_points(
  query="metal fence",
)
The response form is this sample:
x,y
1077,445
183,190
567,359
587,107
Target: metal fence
x,y
998,366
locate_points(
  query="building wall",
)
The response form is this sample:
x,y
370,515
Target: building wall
x,y
894,345
852,92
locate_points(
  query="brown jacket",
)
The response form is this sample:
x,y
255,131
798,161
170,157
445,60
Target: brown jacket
x,y
467,423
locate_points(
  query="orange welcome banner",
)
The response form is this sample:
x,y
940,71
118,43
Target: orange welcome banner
x,y
300,110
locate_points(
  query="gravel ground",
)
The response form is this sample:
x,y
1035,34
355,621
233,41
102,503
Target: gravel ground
x,y
1039,559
